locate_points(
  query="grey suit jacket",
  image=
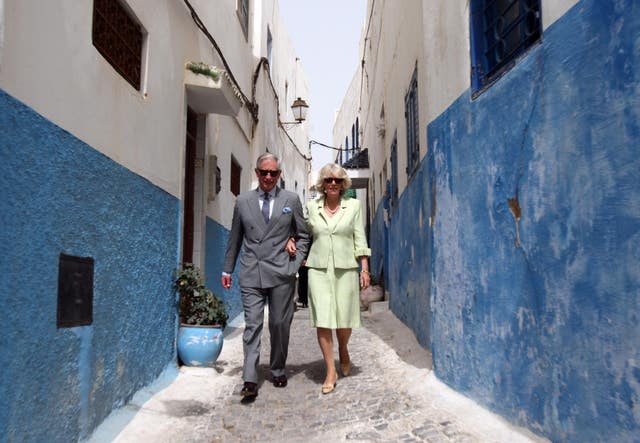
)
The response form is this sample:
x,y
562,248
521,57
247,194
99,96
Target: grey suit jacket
x,y
264,263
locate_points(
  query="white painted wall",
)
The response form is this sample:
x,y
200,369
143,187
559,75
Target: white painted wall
x,y
433,34
238,137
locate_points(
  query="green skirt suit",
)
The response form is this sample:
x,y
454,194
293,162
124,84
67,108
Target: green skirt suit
x,y
334,283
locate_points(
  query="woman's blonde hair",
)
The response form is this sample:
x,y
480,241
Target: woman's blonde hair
x,y
333,170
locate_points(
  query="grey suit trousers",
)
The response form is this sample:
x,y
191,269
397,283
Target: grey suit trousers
x,y
280,302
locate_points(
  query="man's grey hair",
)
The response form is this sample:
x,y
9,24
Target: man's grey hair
x,y
265,156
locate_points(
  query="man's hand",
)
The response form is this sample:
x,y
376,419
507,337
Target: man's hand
x,y
226,281
291,247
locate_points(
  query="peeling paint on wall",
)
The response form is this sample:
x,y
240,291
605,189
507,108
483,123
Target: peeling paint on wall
x,y
536,270
526,284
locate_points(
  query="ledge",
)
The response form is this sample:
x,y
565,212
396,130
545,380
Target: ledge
x,y
208,96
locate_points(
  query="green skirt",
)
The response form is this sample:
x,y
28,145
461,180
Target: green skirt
x,y
334,297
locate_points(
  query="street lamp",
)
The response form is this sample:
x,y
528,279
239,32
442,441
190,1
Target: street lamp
x,y
299,108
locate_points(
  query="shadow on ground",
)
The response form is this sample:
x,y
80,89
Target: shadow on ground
x,y
398,337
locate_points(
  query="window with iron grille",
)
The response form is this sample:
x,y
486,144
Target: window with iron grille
x,y
501,31
242,8
118,37
236,175
411,118
394,171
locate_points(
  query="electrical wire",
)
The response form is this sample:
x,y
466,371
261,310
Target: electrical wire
x,y
313,142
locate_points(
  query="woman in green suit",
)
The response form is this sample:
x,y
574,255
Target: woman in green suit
x,y
339,249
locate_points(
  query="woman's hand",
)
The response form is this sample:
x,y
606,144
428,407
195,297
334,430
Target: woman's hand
x,y
365,279
290,247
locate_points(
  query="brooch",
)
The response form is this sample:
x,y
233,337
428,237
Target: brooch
x,y
286,210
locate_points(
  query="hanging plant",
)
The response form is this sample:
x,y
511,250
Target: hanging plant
x,y
204,69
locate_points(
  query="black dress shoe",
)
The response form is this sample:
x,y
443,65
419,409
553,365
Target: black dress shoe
x,y
249,391
280,381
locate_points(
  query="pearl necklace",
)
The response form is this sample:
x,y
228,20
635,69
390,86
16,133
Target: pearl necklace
x,y
331,211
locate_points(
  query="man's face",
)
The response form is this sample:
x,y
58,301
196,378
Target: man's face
x,y
268,181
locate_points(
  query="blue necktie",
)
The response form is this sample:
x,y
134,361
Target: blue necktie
x,y
265,207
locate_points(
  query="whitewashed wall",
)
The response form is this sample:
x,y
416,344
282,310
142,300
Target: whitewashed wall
x,y
391,51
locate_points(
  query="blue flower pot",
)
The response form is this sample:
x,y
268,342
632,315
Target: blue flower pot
x,y
199,345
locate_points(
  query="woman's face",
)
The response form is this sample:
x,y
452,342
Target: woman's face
x,y
333,186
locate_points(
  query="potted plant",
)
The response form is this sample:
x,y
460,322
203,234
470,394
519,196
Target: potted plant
x,y
203,317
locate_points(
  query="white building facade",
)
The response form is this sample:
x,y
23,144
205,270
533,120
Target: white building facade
x,y
118,163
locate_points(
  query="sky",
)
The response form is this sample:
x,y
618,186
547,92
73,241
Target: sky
x,y
325,35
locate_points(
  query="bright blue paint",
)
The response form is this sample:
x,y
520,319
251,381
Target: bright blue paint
x,y
85,335
60,195
408,268
547,333
216,245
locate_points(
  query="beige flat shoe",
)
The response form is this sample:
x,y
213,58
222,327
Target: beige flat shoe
x,y
327,389
345,368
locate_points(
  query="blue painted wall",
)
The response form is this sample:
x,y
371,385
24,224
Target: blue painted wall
x,y
378,238
409,279
60,195
544,332
216,241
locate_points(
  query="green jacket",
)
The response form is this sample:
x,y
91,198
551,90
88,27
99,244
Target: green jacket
x,y
344,242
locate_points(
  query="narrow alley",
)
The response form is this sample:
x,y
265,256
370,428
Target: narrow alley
x,y
489,149
391,395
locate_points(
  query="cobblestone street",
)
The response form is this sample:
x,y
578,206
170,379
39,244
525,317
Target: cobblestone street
x,y
391,395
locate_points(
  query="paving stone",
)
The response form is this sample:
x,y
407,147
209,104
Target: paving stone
x,y
391,395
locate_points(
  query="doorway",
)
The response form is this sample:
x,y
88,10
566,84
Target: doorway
x,y
189,187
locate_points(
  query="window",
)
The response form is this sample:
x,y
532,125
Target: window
x,y
394,171
118,37
411,117
346,148
269,50
501,31
354,139
236,175
242,9
357,134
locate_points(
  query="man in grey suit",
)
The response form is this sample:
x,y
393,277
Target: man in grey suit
x,y
263,221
